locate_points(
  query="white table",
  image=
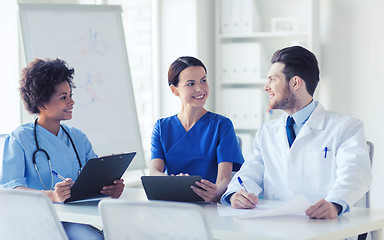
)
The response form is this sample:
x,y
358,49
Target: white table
x,y
88,213
359,220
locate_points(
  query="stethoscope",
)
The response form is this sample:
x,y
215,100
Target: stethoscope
x,y
38,149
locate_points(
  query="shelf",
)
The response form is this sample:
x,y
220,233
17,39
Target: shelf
x,y
244,85
264,35
247,34
248,130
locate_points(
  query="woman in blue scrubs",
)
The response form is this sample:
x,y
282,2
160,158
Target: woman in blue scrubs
x,y
195,141
34,149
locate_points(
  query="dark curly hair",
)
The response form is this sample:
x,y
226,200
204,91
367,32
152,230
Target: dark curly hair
x,y
39,80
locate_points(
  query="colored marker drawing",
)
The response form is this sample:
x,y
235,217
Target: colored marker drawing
x,y
93,90
93,42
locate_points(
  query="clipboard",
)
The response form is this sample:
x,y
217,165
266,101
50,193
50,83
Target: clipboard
x,y
97,173
171,188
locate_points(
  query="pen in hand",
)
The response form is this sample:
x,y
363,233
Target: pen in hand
x,y
241,183
58,175
61,177
243,186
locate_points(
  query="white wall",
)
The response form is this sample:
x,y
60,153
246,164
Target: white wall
x,y
352,71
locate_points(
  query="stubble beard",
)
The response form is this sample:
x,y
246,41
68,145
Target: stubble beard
x,y
287,102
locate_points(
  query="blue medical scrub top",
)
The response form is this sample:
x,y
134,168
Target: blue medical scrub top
x,y
17,167
210,141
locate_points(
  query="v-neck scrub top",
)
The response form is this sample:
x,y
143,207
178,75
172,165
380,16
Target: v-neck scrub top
x,y
17,168
210,141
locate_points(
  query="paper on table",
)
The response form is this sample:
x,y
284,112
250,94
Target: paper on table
x,y
296,206
225,210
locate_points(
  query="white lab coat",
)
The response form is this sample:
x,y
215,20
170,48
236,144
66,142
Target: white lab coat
x,y
281,173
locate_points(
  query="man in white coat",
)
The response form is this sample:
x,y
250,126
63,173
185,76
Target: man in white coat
x,y
324,156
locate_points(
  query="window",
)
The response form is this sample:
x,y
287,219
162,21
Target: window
x,y
137,23
9,95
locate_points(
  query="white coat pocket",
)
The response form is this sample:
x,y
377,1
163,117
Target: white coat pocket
x,y
319,171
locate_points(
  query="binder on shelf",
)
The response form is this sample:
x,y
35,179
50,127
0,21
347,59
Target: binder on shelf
x,y
243,106
249,16
240,62
229,106
239,17
226,21
226,54
256,107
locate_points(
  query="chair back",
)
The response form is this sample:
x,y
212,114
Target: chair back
x,y
2,139
240,141
124,220
28,215
365,201
371,151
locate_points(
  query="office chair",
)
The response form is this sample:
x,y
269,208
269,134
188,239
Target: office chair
x,y
371,150
240,141
28,215
124,220
366,200
2,139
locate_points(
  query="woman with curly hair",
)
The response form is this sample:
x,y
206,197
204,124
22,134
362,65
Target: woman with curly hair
x,y
34,150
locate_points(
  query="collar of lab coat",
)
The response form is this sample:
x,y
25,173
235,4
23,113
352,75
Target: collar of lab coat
x,y
315,121
317,118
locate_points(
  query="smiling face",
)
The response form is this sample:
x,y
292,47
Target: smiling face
x,y
60,106
193,87
280,95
